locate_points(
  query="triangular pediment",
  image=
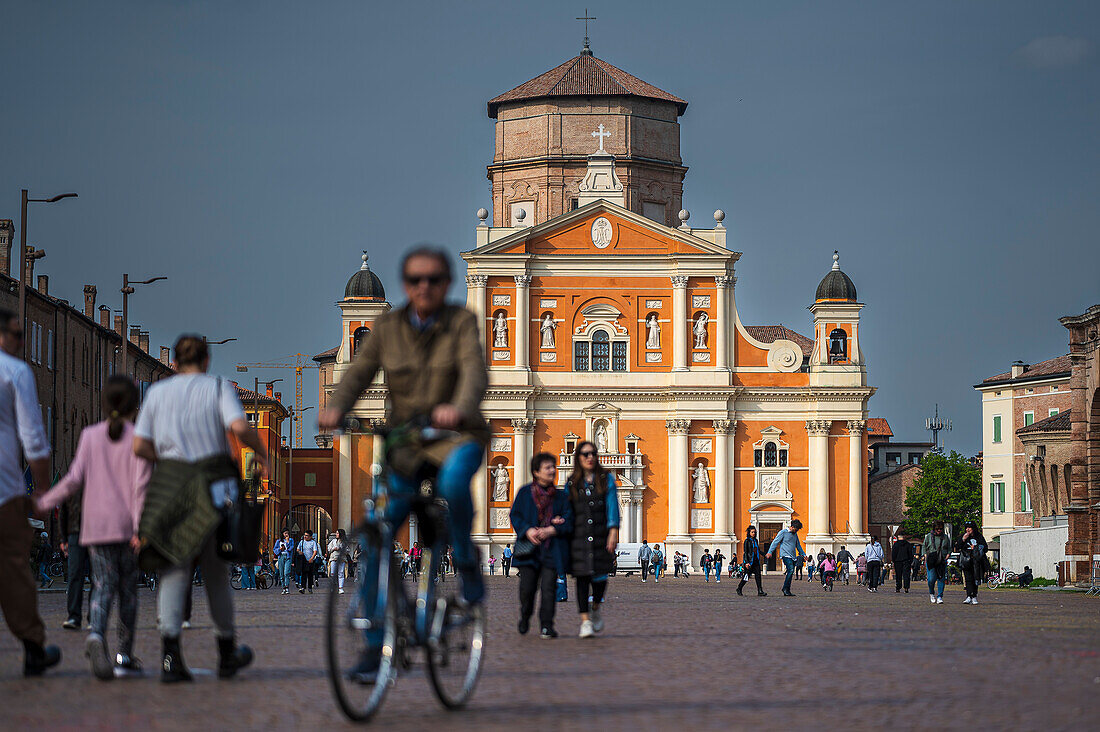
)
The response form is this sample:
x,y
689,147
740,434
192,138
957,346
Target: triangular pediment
x,y
601,228
600,408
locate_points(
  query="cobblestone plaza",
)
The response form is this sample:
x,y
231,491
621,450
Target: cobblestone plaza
x,y
679,654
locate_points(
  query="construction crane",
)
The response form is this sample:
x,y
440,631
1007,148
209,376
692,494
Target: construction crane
x,y
301,361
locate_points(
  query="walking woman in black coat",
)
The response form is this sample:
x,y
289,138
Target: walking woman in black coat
x,y
751,557
595,499
972,547
541,517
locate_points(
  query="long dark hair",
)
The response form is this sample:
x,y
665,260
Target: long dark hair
x,y
120,401
576,478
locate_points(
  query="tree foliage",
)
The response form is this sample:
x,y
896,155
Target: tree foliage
x,y
949,489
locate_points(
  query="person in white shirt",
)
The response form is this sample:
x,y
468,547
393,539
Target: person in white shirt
x,y
21,433
183,424
308,549
336,544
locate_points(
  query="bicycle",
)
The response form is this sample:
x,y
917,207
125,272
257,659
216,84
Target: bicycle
x,y
451,633
1000,578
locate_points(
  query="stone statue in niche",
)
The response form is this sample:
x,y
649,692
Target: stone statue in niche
x,y
500,331
500,483
547,328
653,332
700,330
601,438
701,484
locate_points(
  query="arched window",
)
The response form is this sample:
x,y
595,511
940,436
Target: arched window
x,y
838,346
357,339
770,455
601,351
606,354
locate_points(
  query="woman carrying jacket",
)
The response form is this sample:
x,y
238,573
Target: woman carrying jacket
x,y
971,547
114,480
750,556
542,515
595,500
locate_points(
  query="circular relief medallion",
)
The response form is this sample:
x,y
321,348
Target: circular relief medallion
x,y
602,232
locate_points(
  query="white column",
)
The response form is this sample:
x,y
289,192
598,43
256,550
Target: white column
x,y
723,494
857,463
475,299
523,322
344,446
679,323
677,477
639,522
818,430
725,324
626,518
522,430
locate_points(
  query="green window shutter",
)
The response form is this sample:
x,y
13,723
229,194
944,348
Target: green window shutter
x,y
1001,495
992,497
997,429
1025,499
1029,419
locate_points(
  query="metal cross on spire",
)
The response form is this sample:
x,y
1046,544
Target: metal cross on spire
x,y
601,134
587,51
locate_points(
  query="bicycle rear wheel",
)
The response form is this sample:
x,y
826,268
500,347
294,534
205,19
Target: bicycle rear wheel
x,y
455,651
346,625
235,582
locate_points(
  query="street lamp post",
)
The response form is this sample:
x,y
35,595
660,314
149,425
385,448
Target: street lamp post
x,y
23,254
290,467
127,290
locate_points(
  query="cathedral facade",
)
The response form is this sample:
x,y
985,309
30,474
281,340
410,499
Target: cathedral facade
x,y
608,318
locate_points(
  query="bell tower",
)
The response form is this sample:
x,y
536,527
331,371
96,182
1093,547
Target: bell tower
x,y
837,359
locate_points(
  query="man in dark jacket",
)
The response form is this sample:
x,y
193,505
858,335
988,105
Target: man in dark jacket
x,y
902,555
79,562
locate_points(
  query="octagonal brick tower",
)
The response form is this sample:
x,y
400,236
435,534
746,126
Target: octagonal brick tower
x,y
544,137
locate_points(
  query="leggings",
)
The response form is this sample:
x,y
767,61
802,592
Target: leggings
x,y
115,573
597,586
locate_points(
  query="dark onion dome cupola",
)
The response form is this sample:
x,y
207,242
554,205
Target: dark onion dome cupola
x,y
364,284
836,286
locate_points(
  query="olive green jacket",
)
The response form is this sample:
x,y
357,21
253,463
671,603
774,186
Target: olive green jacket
x,y
443,364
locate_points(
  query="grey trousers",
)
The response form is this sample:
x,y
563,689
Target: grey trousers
x,y
175,586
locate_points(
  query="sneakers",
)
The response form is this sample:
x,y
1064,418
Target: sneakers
x,y
71,624
932,599
38,658
232,657
523,626
939,600
967,600
587,630
96,651
761,593
186,625
341,591
548,634
127,666
597,619
973,601
301,590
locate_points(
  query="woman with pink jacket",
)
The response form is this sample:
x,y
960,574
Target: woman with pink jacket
x,y
114,481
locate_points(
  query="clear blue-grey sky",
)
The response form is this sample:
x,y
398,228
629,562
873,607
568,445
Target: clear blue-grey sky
x,y
250,150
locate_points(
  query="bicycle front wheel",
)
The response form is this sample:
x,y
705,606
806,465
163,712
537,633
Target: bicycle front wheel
x,y
455,651
235,582
358,695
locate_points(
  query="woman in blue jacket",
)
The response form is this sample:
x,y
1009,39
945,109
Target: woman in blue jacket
x,y
541,517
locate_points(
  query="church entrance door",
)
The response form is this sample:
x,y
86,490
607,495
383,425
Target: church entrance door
x,y
768,532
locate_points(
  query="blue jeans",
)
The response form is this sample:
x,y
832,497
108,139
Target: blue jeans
x,y
717,571
788,565
935,583
453,485
248,577
706,572
656,572
285,570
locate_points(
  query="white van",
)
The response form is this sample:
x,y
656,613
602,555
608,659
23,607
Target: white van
x,y
626,558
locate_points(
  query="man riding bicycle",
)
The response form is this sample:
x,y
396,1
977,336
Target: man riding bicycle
x,y
431,354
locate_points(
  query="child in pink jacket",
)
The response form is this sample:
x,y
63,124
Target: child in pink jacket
x,y
114,482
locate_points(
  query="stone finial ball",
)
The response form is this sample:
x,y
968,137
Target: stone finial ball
x,y
482,214
719,215
520,214
684,215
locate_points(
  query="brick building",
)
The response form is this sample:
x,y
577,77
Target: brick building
x,y
886,492
1011,401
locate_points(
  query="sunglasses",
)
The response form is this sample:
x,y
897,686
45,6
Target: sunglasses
x,y
588,453
433,280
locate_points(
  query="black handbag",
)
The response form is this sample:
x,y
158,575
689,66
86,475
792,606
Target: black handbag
x,y
524,548
239,532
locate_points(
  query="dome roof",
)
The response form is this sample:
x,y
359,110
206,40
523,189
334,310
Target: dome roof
x,y
365,284
836,286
